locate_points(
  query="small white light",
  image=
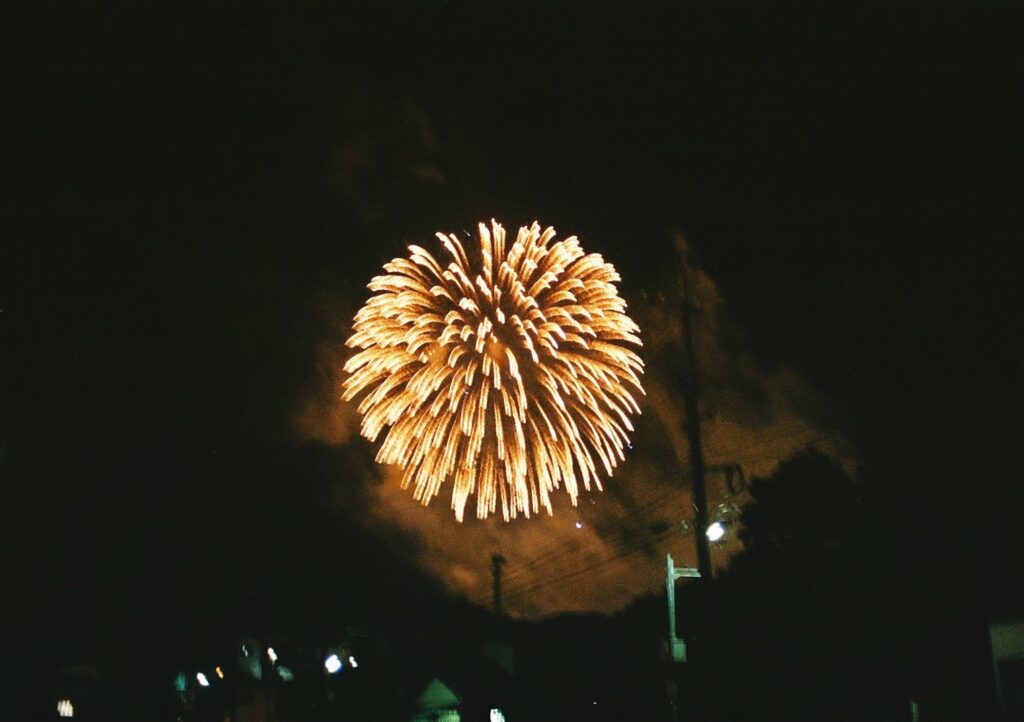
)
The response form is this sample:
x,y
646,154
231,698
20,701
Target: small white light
x,y
352,662
272,654
203,681
715,531
579,525
65,708
332,664
496,715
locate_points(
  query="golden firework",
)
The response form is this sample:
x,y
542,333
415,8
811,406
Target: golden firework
x,y
506,371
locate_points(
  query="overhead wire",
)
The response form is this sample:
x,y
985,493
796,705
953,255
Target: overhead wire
x,y
518,592
645,501
558,551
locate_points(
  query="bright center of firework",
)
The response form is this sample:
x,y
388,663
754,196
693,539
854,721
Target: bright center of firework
x,y
506,371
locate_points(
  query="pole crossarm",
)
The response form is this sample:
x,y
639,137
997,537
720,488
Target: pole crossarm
x,y
680,572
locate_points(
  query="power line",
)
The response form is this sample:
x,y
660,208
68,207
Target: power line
x,y
518,593
647,502
552,557
556,555
527,584
558,550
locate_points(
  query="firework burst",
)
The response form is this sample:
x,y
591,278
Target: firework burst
x,y
507,371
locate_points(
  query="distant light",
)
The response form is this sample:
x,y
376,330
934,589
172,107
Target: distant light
x,y
497,715
65,708
181,682
286,674
332,664
352,662
715,532
220,672
579,525
245,650
272,654
201,678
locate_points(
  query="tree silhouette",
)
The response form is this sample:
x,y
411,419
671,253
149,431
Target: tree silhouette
x,y
800,627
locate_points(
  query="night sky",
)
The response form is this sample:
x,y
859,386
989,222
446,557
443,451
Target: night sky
x,y
194,199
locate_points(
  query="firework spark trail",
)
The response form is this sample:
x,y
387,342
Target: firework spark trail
x,y
505,371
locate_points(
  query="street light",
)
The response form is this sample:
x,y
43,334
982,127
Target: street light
x,y
332,664
715,531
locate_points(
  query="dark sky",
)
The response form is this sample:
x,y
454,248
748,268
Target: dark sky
x,y
194,196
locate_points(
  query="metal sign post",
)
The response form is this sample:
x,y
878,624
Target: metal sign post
x,y
677,647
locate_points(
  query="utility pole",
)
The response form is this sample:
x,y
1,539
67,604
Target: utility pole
x,y
690,393
703,677
497,561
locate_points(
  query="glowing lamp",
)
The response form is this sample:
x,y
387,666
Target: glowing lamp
x,y
715,531
332,664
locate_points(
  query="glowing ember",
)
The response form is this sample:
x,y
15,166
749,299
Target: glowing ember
x,y
504,371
